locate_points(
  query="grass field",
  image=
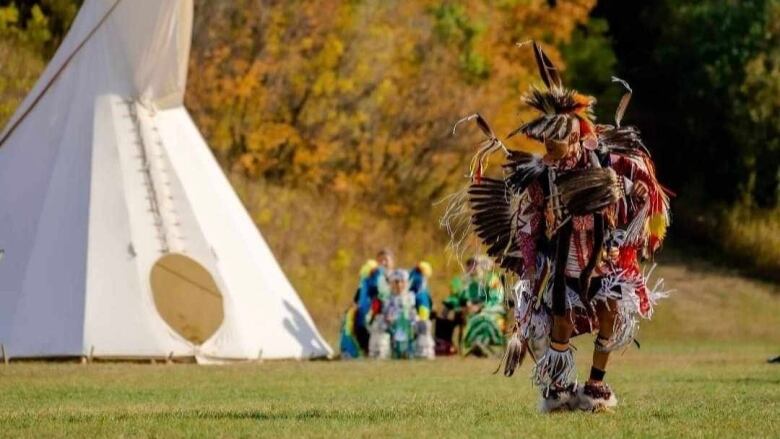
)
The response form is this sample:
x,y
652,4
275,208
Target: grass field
x,y
701,372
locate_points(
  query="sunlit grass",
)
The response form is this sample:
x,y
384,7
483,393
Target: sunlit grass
x,y
701,372
669,391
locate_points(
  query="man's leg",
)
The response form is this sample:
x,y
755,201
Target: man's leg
x,y
606,313
596,395
562,329
554,372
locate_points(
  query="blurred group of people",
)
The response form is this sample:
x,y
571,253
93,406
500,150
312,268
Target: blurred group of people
x,y
392,314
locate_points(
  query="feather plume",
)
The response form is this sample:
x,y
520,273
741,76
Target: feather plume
x,y
559,107
547,70
552,103
623,140
493,209
589,190
523,169
621,109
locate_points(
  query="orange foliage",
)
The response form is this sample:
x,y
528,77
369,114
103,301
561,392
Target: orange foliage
x,y
358,97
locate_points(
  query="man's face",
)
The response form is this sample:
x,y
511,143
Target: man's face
x,y
386,261
557,150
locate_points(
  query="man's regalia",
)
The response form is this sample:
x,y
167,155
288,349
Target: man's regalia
x,y
571,227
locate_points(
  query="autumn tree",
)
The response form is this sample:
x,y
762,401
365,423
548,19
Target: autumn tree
x,y
360,100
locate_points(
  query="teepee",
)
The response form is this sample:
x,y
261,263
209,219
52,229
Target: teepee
x,y
122,238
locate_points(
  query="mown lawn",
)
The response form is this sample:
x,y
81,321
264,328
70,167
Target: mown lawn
x,y
665,391
701,372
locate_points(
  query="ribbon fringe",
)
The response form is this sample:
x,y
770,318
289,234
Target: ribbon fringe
x,y
554,369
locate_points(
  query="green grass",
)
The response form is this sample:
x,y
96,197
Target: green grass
x,y
667,391
701,372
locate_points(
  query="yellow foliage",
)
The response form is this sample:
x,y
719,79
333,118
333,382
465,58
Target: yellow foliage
x,y
324,244
752,236
20,66
359,100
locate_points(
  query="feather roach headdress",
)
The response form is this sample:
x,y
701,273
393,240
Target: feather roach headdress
x,y
564,111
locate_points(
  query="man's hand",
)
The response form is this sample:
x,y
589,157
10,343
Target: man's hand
x,y
613,255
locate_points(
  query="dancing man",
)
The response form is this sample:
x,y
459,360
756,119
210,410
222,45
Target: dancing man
x,y
570,226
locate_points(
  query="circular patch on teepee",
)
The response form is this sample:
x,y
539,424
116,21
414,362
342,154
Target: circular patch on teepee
x,y
187,297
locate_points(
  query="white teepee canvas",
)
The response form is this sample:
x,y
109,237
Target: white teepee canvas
x,y
122,236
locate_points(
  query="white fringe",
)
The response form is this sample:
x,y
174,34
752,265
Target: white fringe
x,y
538,334
654,293
456,221
524,303
534,324
554,369
573,300
635,232
540,324
624,331
628,312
